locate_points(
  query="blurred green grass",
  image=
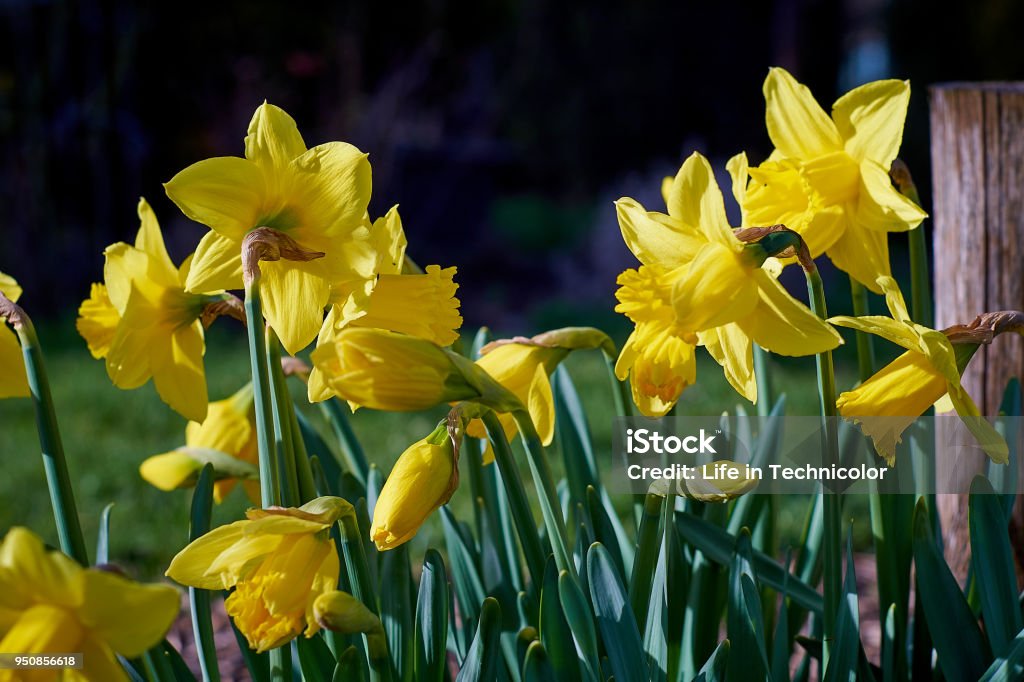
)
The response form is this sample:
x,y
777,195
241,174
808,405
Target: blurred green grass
x,y
108,432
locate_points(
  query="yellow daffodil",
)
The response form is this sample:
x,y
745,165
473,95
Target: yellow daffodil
x,y
419,304
51,605
229,430
524,367
887,403
145,324
389,371
13,382
828,177
699,284
278,561
424,478
317,196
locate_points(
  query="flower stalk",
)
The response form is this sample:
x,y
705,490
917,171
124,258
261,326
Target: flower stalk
x,y
58,481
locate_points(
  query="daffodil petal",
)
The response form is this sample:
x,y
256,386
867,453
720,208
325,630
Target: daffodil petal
x,y
784,325
333,186
894,299
9,287
273,139
13,381
216,265
128,361
881,207
731,348
879,325
224,193
51,576
43,628
126,615
863,254
655,238
797,125
150,241
98,663
189,566
696,200
991,442
870,118
293,303
541,405
178,371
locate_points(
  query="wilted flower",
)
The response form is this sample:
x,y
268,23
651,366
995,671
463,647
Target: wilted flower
x,y
828,177
226,438
317,197
145,324
13,382
424,478
278,560
700,284
887,403
51,605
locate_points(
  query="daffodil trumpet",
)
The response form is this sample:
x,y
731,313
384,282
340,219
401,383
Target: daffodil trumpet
x,y
58,481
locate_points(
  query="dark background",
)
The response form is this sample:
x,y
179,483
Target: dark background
x,y
504,129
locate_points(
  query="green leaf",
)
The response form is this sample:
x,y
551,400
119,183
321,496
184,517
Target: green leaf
x,y
844,654
350,666
469,589
889,646
718,545
317,447
614,617
769,438
199,600
1009,666
646,557
992,561
431,634
604,532
555,632
714,669
781,643
744,623
962,649
396,608
581,623
481,664
656,631
351,450
315,659
536,666
103,538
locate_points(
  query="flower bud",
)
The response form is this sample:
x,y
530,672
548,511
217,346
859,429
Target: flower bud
x,y
424,478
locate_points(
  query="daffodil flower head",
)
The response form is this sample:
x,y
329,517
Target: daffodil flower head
x,y
226,439
828,177
145,325
930,369
416,304
424,478
386,370
52,605
277,561
341,612
13,381
317,197
699,284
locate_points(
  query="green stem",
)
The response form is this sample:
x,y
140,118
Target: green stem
x,y
547,495
832,503
199,599
865,346
270,489
62,497
303,466
351,449
763,377
283,439
522,516
620,390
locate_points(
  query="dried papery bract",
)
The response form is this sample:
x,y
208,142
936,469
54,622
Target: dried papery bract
x,y
268,244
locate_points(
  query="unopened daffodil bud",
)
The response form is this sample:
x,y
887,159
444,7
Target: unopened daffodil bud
x,y
341,612
424,478
277,561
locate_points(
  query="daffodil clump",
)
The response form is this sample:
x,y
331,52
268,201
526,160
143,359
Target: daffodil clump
x,y
319,574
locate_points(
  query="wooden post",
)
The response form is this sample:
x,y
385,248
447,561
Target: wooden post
x,y
977,133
